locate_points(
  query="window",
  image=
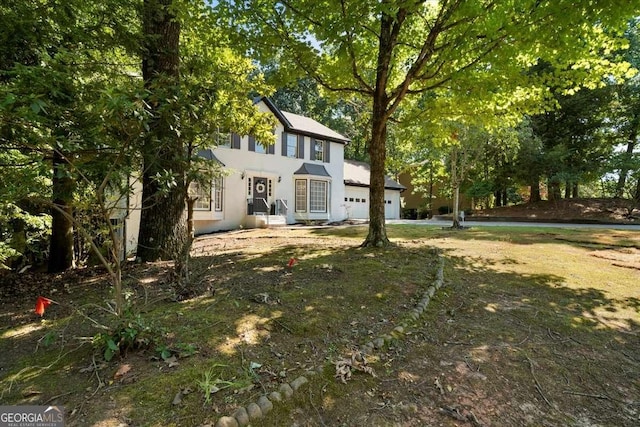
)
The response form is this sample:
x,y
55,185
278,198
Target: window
x,y
364,200
317,196
203,194
351,199
346,199
357,200
318,150
222,138
256,146
301,195
217,194
292,145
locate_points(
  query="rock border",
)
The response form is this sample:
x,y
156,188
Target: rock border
x,y
257,410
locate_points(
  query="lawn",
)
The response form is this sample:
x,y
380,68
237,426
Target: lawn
x,y
532,327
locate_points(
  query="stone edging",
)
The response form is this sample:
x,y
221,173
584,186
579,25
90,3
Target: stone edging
x,y
256,410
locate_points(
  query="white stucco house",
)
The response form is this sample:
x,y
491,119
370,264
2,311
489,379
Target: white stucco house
x,y
301,178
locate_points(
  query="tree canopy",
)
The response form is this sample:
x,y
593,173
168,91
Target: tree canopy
x,y
465,56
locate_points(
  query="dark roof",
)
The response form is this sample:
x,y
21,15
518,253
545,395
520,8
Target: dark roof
x,y
311,169
359,173
304,125
207,154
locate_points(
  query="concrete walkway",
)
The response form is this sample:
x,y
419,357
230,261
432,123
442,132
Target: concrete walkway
x,y
474,224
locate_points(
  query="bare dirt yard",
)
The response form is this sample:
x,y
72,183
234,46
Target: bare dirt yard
x,y
578,210
533,327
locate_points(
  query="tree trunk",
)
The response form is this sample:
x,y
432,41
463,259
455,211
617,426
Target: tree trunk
x,y
498,195
456,206
430,204
554,190
534,192
163,230
628,154
575,193
377,236
455,182
61,243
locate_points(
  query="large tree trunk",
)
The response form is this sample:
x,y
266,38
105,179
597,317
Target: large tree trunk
x,y
377,236
61,243
163,231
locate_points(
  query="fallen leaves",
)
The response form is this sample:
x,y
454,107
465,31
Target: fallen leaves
x,y
357,362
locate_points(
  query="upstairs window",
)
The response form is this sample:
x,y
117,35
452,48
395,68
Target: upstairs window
x,y
318,150
292,145
222,138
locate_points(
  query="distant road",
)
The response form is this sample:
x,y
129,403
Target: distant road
x,y
441,223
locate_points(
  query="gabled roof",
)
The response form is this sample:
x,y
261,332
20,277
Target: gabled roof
x,y
358,174
296,123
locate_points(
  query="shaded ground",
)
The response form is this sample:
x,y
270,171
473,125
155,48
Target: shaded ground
x,y
534,327
597,210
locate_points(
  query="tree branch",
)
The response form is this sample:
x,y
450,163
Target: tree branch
x,y
352,54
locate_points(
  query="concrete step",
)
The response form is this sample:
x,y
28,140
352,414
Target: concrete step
x,y
269,221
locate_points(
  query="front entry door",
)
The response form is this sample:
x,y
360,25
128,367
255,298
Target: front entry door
x,y
260,195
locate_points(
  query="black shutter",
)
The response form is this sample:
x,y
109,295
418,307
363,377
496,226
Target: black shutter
x,y
235,143
252,143
284,144
300,146
312,149
271,149
326,157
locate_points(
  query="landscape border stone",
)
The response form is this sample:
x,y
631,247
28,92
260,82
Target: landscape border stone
x,y
264,405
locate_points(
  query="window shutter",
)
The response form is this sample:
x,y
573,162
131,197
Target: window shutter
x,y
283,141
235,141
300,146
312,148
325,157
271,149
252,143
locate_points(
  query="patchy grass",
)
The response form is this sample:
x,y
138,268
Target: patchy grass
x,y
534,327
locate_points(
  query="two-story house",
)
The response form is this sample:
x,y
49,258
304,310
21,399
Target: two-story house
x,y
301,178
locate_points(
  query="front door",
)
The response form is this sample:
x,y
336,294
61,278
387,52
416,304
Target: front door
x,y
260,204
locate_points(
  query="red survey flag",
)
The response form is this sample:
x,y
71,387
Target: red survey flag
x,y
41,304
292,262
